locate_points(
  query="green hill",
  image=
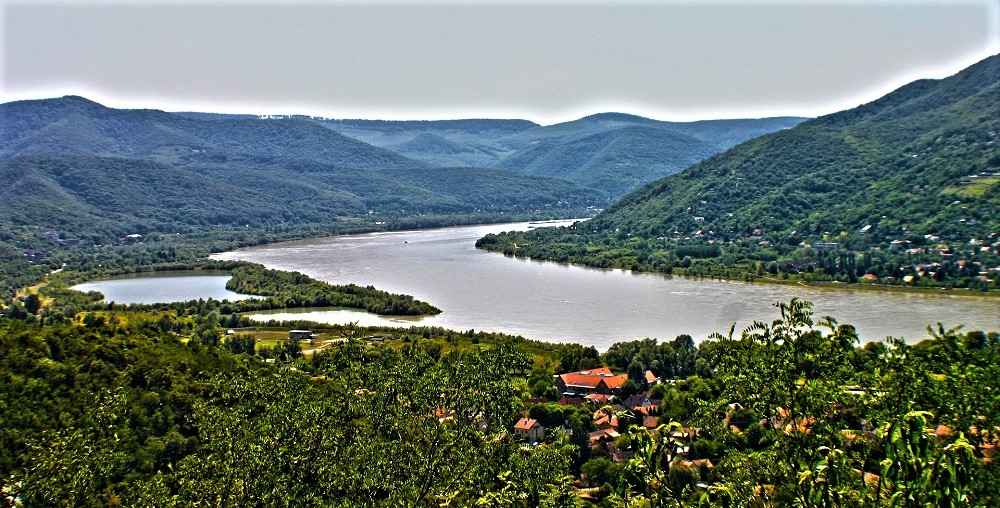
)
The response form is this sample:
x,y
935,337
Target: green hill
x,y
77,126
442,151
445,143
905,185
616,161
613,152
85,170
617,153
720,133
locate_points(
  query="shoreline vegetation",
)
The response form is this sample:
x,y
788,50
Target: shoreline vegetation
x,y
813,267
78,263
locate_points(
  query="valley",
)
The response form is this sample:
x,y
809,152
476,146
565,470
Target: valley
x,y
393,331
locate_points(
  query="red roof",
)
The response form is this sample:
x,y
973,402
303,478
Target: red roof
x,y
525,424
590,381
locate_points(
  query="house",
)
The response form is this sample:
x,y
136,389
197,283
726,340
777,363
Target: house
x,y
530,429
301,335
604,420
34,256
617,455
636,401
826,245
598,436
129,239
599,398
601,381
651,378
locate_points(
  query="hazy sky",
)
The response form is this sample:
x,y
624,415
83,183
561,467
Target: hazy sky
x,y
546,61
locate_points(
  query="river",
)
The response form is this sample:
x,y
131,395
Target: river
x,y
561,303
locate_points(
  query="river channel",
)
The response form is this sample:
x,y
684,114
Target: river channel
x,y
561,303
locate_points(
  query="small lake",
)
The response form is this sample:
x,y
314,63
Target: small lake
x,y
561,303
164,287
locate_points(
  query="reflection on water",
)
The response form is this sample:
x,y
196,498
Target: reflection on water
x,y
165,287
561,303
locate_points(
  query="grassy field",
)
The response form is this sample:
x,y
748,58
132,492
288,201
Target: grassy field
x,y
974,187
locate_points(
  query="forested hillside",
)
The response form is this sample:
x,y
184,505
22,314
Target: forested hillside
x,y
446,143
903,186
612,152
616,161
84,170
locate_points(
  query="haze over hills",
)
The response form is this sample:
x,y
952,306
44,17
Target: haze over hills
x,y
74,165
615,160
906,185
613,152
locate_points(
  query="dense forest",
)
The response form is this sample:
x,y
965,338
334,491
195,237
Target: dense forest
x,y
111,409
898,191
70,162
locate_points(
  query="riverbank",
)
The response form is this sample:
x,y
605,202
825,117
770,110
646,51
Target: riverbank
x,y
791,282
883,288
559,302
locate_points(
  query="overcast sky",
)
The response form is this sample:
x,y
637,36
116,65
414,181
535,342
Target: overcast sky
x,y
541,60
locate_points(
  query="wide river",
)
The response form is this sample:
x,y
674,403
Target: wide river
x,y
560,303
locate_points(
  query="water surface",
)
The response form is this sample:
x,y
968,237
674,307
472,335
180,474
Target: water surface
x,y
164,287
561,303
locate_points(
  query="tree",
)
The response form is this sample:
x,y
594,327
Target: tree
x,y
791,375
32,303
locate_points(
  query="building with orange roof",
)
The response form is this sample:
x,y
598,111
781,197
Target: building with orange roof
x,y
530,429
601,381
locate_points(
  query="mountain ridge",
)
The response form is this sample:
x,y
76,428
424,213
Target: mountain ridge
x,y
108,171
901,187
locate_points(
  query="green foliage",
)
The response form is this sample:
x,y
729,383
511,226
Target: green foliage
x,y
822,201
101,416
918,471
293,289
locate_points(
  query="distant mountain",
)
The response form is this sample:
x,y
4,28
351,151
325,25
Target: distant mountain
x,y
443,151
75,165
77,126
625,157
618,152
613,152
617,161
902,188
444,143
721,133
391,132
